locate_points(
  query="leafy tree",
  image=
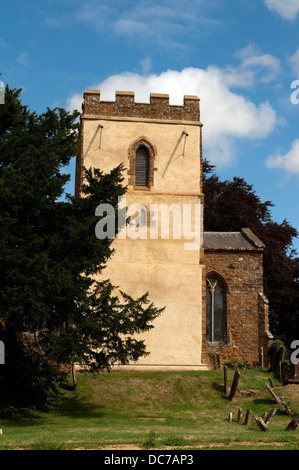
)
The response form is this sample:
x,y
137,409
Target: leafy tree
x,y
232,205
52,310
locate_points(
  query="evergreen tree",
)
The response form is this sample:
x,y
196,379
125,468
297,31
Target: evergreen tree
x,y
233,205
52,311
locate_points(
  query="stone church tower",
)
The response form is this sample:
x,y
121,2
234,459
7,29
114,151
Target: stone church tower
x,y
160,145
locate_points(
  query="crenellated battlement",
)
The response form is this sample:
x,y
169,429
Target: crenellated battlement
x,y
125,106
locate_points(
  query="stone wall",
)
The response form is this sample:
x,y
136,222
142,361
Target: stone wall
x,y
111,133
246,313
125,106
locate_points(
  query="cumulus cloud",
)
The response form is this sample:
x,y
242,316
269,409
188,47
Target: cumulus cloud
x,y
262,67
146,65
166,23
3,43
288,162
287,9
23,58
227,116
127,26
294,60
255,67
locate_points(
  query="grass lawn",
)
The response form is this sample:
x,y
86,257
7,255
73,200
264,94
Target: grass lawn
x,y
156,410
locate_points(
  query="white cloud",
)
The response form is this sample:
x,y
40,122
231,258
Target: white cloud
x,y
96,14
3,43
263,67
146,65
128,26
74,102
166,23
226,115
287,9
23,58
288,162
294,60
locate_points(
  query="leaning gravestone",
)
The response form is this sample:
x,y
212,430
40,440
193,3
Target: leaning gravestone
x,y
294,375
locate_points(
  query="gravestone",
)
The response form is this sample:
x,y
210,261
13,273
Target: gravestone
x,y
294,375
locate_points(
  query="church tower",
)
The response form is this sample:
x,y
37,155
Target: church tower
x,y
161,252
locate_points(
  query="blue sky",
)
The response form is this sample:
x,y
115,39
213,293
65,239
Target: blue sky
x,y
240,57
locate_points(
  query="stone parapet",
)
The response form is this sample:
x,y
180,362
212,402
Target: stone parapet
x,y
125,106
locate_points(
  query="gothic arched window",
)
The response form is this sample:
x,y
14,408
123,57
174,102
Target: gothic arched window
x,y
141,170
142,166
215,310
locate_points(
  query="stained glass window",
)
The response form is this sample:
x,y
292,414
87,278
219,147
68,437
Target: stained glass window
x,y
214,311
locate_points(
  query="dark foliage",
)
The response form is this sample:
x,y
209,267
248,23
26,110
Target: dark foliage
x,y
54,309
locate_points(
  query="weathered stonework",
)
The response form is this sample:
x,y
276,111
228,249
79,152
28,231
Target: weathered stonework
x,y
240,265
111,133
125,106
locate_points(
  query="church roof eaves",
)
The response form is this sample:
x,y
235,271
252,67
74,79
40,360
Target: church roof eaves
x,y
242,240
